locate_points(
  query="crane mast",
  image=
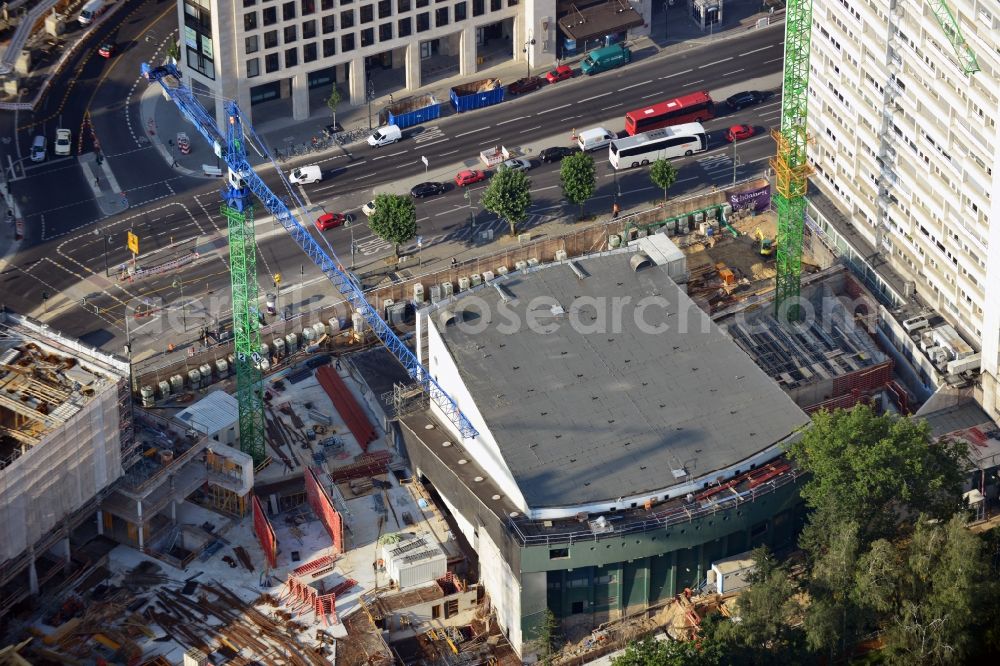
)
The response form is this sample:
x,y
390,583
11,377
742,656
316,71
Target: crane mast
x,y
238,208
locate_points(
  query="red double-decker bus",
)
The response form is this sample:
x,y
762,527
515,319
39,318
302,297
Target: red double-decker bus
x,y
694,108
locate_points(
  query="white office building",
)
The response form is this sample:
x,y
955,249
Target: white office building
x,y
906,146
255,51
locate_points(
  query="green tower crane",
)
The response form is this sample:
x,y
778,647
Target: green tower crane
x,y
791,168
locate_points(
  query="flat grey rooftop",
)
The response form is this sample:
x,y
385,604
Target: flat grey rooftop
x,y
585,416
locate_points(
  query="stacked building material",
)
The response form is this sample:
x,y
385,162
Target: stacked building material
x,y
367,464
354,416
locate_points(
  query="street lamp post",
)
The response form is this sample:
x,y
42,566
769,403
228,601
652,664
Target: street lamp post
x,y
107,239
371,97
178,284
527,55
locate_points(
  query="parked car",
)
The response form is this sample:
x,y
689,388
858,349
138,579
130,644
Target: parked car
x,y
331,220
744,99
739,132
306,175
560,73
368,208
38,148
556,153
64,141
469,176
421,190
107,50
525,85
517,164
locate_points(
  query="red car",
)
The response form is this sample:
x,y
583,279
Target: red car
x,y
560,73
331,220
107,50
739,132
522,86
469,176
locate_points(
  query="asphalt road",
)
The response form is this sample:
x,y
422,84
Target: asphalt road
x,y
68,244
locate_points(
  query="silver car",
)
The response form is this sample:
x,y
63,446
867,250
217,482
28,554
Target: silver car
x,y
517,164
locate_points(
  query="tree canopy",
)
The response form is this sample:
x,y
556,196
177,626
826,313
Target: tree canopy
x,y
579,178
663,174
508,196
394,219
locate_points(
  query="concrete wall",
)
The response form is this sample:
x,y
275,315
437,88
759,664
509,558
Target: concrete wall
x,y
423,613
57,476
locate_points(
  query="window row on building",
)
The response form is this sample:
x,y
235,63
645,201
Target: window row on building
x,y
349,18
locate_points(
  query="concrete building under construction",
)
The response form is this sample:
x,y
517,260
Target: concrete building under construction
x,y
65,437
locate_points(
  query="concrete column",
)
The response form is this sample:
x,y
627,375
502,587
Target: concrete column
x,y
173,511
66,550
138,508
357,81
467,51
32,574
100,523
412,61
300,96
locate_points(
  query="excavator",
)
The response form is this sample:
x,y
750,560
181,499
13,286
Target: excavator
x,y
764,245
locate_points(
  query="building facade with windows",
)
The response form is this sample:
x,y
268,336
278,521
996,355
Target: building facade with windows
x,y
906,146
254,51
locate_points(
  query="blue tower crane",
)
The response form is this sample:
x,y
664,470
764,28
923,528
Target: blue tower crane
x,y
242,181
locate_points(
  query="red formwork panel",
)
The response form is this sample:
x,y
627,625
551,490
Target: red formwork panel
x,y
322,506
865,380
348,408
265,533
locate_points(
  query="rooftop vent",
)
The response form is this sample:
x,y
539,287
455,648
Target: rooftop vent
x,y
580,273
446,444
429,426
449,317
679,473
478,479
504,293
640,260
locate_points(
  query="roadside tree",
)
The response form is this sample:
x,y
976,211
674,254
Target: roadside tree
x,y
333,101
664,175
579,178
394,219
508,196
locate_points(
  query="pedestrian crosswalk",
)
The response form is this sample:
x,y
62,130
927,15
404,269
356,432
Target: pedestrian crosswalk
x,y
715,165
432,133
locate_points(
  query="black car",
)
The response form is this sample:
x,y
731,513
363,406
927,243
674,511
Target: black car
x,y
556,153
422,190
745,98
526,85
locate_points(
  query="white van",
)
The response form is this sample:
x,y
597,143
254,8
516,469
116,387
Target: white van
x,y
595,138
91,11
383,136
305,175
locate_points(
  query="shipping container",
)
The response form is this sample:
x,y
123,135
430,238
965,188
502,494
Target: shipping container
x,y
477,95
413,111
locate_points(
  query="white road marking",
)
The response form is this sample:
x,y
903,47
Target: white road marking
x,y
589,99
431,143
530,129
768,62
676,74
305,195
564,106
717,62
451,152
490,142
481,129
510,120
763,48
542,189
562,120
735,71
635,85
613,106
656,94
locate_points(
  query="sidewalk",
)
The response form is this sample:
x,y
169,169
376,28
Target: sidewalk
x,y
8,245
282,132
107,193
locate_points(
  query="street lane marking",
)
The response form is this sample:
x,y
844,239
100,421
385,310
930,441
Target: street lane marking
x,y
490,141
717,62
694,83
635,85
763,48
542,189
305,195
735,71
564,106
425,145
589,99
676,74
613,106
511,120
530,129
451,152
570,118
399,153
768,62
481,129
656,94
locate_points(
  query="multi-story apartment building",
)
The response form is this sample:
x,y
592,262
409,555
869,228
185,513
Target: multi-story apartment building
x,y
258,50
906,145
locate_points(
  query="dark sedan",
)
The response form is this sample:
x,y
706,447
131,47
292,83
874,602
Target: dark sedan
x,y
744,99
556,153
426,190
526,85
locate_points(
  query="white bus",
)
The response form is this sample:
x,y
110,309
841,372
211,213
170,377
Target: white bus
x,y
641,149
